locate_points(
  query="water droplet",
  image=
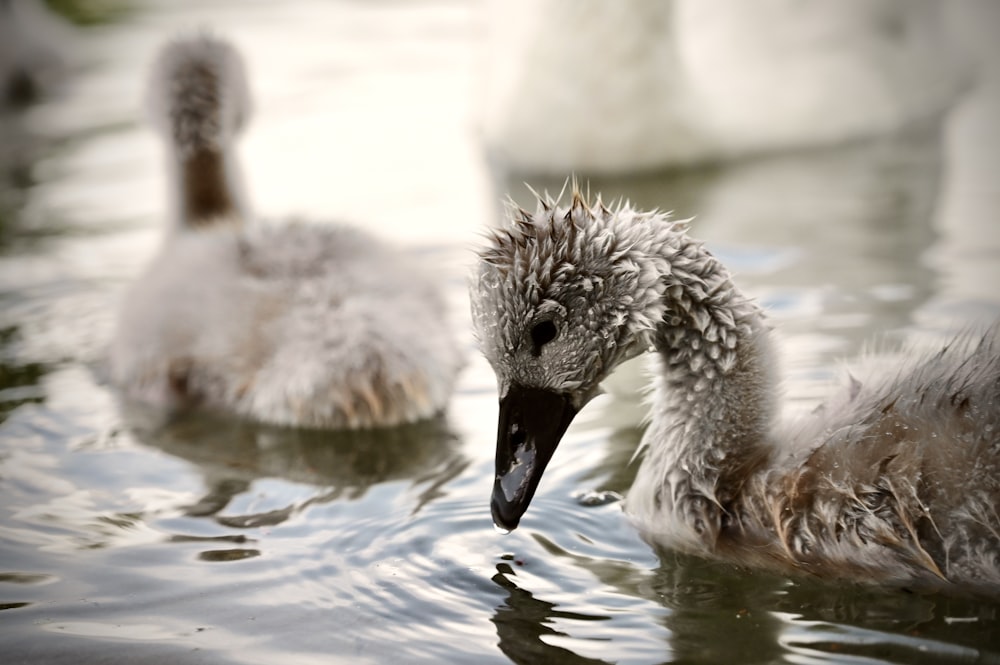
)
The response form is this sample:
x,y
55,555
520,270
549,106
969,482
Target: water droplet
x,y
501,530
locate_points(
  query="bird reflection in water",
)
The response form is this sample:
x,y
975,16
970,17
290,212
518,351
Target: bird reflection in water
x,y
523,622
233,456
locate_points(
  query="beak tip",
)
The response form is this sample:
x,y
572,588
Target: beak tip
x,y
506,516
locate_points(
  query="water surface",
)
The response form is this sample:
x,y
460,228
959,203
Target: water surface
x,y
127,536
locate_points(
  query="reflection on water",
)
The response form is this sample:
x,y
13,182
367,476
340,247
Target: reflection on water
x,y
19,382
231,455
128,536
808,621
522,621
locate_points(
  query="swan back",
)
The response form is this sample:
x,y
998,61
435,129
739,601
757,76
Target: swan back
x,y
895,480
633,85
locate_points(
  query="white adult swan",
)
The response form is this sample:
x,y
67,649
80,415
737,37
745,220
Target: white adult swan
x,y
895,481
293,324
597,86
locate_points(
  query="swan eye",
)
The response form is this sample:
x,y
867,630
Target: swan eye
x,y
542,333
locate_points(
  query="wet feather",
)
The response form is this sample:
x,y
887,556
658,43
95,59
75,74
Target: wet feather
x,y
895,480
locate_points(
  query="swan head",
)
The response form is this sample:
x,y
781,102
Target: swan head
x,y
559,298
219,104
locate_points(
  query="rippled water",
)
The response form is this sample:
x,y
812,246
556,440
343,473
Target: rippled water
x,y
126,537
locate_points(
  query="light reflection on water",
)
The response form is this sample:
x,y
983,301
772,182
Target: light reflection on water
x,y
125,534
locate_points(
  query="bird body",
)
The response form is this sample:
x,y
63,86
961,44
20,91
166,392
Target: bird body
x,y
616,87
292,324
895,481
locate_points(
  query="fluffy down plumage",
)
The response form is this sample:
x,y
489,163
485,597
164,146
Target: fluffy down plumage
x,y
293,324
896,480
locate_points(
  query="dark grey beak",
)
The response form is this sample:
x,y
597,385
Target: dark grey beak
x,y
532,421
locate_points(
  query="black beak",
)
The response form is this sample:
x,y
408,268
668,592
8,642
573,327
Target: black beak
x,y
532,421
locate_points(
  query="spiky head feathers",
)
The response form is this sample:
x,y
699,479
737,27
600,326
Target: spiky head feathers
x,y
562,295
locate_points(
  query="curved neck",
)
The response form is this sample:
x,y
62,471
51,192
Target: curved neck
x,y
713,401
712,415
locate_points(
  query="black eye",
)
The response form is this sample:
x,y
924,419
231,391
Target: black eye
x,y
542,333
